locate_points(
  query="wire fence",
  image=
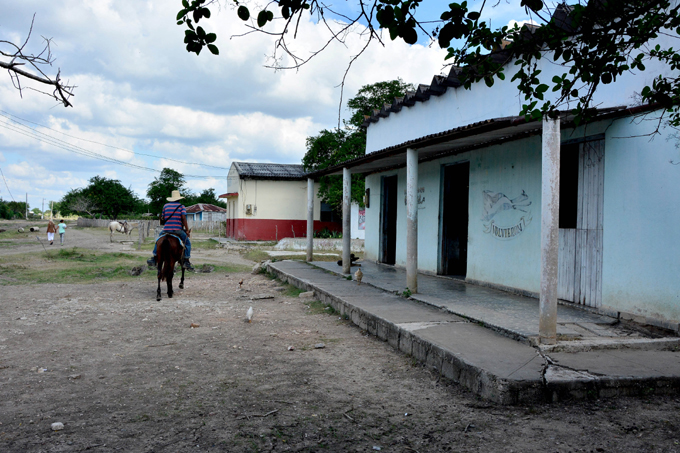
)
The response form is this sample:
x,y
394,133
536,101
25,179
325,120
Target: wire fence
x,y
214,228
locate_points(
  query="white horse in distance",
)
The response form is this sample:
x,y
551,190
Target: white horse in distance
x,y
122,227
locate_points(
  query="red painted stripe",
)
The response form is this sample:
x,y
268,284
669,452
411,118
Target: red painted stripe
x,y
273,229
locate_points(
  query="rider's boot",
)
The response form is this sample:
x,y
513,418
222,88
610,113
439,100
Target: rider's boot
x,y
187,265
151,261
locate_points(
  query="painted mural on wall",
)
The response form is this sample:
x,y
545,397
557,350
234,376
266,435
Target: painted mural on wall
x,y
362,219
421,197
504,217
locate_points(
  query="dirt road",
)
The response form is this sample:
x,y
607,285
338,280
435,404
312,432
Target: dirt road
x,y
123,372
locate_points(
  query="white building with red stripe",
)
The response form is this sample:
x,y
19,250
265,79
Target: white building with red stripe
x,y
268,202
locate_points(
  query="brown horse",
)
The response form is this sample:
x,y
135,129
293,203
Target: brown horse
x,y
169,251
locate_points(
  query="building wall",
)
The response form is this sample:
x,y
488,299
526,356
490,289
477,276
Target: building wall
x,y
278,210
641,257
274,200
358,222
460,106
508,169
641,262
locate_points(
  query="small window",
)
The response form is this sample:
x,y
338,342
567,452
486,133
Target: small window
x,y
328,214
568,185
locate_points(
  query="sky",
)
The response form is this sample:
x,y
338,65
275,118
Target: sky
x,y
143,103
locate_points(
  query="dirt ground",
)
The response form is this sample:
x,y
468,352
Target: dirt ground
x,y
123,372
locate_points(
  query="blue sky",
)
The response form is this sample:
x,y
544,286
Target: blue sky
x,y
139,90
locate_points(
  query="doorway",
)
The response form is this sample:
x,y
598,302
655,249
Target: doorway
x,y
454,219
388,220
581,213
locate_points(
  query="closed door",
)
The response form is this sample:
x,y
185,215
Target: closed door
x,y
581,226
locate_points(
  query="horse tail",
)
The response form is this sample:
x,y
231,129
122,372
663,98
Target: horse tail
x,y
165,259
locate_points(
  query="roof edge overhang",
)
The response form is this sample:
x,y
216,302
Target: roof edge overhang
x,y
469,137
228,195
273,178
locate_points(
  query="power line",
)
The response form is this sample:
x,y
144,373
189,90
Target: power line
x,y
9,116
29,132
3,178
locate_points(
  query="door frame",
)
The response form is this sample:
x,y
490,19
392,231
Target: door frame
x,y
382,251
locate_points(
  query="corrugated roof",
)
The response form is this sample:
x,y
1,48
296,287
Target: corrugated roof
x,y
465,138
250,170
205,207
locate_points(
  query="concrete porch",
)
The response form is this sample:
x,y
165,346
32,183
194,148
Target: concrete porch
x,y
482,337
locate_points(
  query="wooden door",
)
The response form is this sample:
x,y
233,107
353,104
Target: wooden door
x,y
580,252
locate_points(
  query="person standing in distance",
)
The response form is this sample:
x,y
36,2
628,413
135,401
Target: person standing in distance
x,y
175,215
62,230
51,229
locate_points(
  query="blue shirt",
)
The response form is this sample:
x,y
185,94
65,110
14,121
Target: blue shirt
x,y
173,221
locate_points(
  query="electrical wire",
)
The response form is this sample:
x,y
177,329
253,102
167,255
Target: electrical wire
x,y
30,132
3,178
11,118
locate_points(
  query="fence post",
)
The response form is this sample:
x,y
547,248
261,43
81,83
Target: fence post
x,y
141,237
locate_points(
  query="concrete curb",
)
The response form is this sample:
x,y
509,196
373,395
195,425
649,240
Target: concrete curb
x,y
556,382
647,344
479,381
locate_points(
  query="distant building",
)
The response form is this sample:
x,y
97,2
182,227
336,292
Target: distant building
x,y
269,202
204,212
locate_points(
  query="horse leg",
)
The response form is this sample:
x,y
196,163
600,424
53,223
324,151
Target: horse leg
x,y
158,291
169,277
181,282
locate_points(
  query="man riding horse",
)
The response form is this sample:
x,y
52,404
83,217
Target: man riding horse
x,y
175,216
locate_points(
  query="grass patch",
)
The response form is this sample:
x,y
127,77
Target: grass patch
x,y
231,268
15,243
70,266
292,291
256,255
14,234
199,244
317,307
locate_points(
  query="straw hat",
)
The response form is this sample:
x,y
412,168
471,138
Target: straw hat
x,y
175,196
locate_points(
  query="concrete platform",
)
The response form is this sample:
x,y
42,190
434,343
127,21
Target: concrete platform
x,y
462,347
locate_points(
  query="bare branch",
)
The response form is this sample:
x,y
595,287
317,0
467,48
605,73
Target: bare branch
x,y
30,66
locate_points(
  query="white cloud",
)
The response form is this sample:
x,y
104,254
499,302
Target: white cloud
x,y
138,89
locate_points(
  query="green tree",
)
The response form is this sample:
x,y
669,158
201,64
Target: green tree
x,y
162,186
18,208
208,196
104,196
12,209
329,148
595,41
374,97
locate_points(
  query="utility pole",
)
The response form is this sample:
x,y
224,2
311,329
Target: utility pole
x,y
26,205
51,209
42,211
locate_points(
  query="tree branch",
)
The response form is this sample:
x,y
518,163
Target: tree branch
x,y
18,60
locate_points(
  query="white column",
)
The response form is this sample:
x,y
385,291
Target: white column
x,y
346,219
412,219
310,219
550,204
